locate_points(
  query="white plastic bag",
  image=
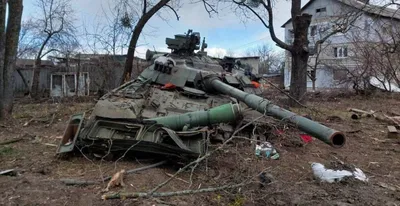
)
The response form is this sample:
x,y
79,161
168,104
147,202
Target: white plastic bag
x,y
329,175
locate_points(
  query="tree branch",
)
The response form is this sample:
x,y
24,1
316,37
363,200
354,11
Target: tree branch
x,y
168,194
144,7
176,14
209,8
270,25
47,52
342,29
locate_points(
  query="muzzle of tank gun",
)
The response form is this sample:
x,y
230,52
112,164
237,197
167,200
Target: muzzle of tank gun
x,y
330,136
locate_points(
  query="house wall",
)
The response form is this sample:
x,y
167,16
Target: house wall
x,y
109,75
253,62
364,27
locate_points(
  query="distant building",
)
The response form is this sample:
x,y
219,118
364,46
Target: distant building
x,y
339,49
250,61
58,75
30,63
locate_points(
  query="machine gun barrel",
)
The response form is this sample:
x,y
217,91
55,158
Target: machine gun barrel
x,y
330,136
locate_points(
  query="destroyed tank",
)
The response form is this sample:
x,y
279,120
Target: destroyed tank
x,y
178,105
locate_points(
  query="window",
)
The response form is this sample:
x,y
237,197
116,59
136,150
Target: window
x,y
320,10
313,30
340,52
311,75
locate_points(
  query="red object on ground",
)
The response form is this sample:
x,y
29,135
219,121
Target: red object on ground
x,y
306,138
256,84
168,86
278,131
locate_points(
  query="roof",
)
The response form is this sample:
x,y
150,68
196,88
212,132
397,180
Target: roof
x,y
369,8
31,62
249,57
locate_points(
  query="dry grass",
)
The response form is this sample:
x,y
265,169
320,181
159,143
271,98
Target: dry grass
x,y
292,181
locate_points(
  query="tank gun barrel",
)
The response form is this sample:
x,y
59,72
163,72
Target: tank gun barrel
x,y
330,136
222,114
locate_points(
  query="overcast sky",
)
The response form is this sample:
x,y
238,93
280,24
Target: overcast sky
x,y
223,32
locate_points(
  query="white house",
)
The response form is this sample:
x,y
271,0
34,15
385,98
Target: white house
x,y
334,58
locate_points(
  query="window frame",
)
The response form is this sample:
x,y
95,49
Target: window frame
x,y
342,50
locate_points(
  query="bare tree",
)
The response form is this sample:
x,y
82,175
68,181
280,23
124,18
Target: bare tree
x,y
299,49
50,31
109,36
374,58
148,10
270,60
9,36
316,61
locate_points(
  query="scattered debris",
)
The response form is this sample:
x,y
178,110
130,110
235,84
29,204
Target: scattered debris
x,y
10,172
266,149
306,138
180,179
358,113
123,195
329,175
116,180
51,145
388,186
265,179
395,120
88,182
334,118
383,84
392,132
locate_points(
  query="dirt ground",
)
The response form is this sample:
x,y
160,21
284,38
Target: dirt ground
x,y
290,177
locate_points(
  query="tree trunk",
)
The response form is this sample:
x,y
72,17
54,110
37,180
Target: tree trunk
x,y
35,79
36,69
131,53
300,54
298,81
2,50
10,54
78,71
126,76
313,85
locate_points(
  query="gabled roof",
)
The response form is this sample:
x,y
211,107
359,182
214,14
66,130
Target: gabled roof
x,y
368,8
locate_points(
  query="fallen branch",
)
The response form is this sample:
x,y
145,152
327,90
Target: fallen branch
x,y
124,195
170,175
359,111
11,141
91,182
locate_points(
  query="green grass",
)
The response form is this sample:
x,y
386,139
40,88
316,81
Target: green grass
x,y
7,151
